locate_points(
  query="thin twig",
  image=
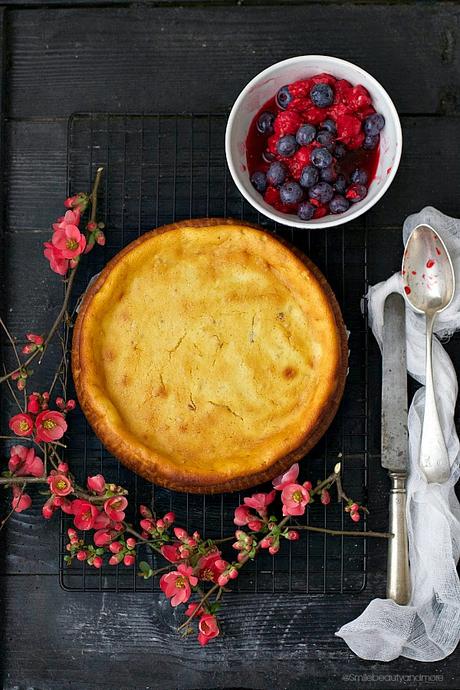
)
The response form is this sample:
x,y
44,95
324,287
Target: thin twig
x,y
344,533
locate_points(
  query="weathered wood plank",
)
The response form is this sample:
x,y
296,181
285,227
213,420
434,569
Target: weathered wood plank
x,y
108,641
151,57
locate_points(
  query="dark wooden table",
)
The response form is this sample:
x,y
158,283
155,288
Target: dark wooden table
x,y
149,57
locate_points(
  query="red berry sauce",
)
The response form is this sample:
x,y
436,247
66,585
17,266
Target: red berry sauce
x,y
350,107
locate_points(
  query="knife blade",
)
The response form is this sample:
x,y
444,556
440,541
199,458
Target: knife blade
x,y
394,443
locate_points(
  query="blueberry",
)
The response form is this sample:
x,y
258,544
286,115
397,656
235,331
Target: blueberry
x,y
305,210
259,181
291,193
321,158
371,141
328,174
373,124
322,95
359,176
287,145
276,173
340,151
341,184
330,126
305,135
265,122
283,97
338,204
326,139
322,192
309,176
268,156
356,192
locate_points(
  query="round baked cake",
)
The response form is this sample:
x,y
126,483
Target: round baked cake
x,y
208,356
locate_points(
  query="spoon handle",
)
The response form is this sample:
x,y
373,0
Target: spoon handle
x,y
434,460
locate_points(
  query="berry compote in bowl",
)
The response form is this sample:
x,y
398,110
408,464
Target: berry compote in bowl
x,y
313,141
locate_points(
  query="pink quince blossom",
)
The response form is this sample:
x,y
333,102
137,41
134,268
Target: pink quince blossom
x,y
59,484
96,483
58,263
288,477
71,217
102,536
50,426
48,508
21,424
101,521
85,514
211,566
20,501
115,507
177,584
69,241
23,462
208,628
171,552
294,498
260,501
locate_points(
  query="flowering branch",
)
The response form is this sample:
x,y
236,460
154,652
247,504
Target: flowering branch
x,y
193,566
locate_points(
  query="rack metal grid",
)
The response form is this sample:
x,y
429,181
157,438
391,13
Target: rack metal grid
x,y
160,168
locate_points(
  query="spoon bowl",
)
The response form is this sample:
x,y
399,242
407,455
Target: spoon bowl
x,y
429,287
427,271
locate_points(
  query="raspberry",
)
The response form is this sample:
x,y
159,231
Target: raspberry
x,y
323,78
313,115
320,211
348,129
301,88
299,104
342,90
359,98
287,122
299,160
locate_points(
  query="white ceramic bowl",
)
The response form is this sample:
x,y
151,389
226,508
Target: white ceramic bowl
x,y
264,86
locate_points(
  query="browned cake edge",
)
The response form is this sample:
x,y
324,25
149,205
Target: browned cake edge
x,y
183,482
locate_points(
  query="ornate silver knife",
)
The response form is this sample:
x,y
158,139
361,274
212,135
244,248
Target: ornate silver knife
x,y
395,443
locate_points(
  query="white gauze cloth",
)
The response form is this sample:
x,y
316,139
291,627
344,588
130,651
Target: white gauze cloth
x,y
428,629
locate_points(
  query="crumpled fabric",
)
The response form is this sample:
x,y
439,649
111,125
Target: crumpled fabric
x,y
428,628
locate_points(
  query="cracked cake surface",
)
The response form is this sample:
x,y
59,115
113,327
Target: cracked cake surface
x,y
209,356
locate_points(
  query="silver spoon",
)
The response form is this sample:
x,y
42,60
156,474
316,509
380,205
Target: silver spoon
x,y
429,286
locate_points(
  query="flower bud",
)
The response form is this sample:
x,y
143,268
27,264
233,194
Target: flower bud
x,y
81,555
266,542
60,402
222,580
97,562
147,525
115,559
255,525
71,533
307,485
145,512
354,507
116,547
63,468
129,559
292,535
273,549
70,405
131,543
169,518
233,573
355,517
325,497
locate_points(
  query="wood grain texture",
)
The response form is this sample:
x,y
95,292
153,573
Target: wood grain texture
x,y
150,57
277,647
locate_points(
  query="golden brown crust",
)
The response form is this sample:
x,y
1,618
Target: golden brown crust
x,y
191,476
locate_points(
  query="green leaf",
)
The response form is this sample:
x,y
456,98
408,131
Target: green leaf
x,y
145,570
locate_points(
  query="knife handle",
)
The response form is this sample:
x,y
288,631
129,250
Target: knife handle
x,y
398,579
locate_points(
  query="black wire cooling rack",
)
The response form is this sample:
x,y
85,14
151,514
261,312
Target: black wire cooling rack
x,y
161,168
